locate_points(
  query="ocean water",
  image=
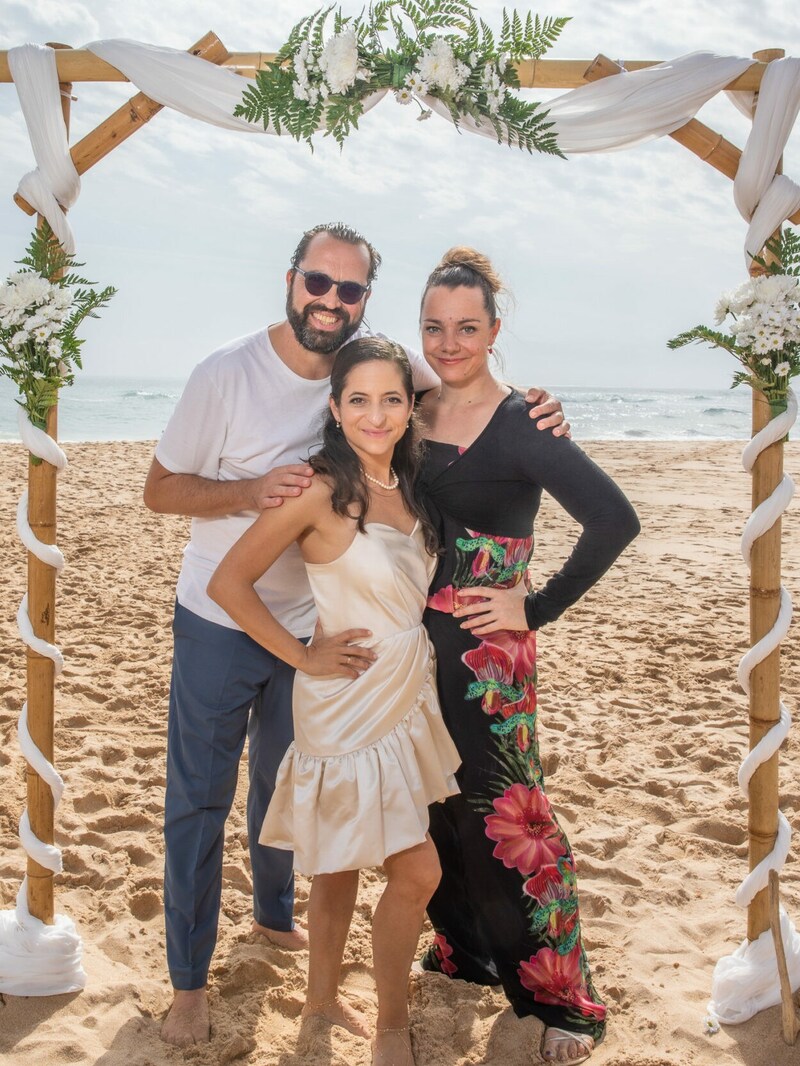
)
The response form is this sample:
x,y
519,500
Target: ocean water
x,y
102,408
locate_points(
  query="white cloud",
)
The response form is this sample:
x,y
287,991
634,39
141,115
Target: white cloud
x,y
40,21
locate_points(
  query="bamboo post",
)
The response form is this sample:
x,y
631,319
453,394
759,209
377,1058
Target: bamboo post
x,y
765,584
789,1015
127,119
700,139
40,669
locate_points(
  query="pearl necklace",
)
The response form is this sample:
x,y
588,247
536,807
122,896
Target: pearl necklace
x,y
395,480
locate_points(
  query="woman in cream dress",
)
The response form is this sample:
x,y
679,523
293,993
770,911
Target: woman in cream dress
x,y
371,751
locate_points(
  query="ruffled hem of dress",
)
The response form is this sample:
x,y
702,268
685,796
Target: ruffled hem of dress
x,y
354,810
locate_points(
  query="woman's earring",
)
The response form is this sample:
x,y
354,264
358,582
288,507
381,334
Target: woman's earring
x,y
338,425
490,349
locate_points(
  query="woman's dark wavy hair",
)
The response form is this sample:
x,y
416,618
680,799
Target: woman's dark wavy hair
x,y
337,461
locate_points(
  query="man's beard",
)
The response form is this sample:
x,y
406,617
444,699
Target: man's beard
x,y
325,342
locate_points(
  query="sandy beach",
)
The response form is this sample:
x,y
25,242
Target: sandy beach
x,y
643,725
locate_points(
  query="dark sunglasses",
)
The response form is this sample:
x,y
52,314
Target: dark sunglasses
x,y
317,284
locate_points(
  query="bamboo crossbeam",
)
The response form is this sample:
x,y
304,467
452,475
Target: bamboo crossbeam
x,y
127,119
700,139
80,65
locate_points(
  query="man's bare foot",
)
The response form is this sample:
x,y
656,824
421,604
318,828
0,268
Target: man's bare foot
x,y
290,940
337,1012
562,1046
187,1021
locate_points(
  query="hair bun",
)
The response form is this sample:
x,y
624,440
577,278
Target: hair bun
x,y
464,256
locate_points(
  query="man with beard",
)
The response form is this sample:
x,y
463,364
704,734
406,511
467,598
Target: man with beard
x,y
249,414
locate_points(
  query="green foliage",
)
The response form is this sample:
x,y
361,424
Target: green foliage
x,y
784,254
702,334
296,94
523,126
39,345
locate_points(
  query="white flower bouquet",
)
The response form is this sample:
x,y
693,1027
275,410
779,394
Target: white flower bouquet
x,y
764,327
316,83
41,307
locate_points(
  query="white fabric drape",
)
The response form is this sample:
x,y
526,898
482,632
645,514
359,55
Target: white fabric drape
x,y
747,981
621,112
55,180
187,83
179,80
764,199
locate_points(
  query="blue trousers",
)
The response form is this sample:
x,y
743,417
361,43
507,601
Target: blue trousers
x,y
224,685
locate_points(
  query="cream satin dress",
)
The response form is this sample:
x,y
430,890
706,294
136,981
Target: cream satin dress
x,y
369,753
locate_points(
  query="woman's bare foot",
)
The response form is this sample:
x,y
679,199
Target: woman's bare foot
x,y
568,1049
187,1021
290,940
392,1047
337,1012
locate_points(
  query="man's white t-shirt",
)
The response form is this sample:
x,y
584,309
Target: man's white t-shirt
x,y
243,412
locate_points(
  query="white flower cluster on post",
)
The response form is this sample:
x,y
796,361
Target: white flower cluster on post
x,y
41,307
766,316
764,328
32,311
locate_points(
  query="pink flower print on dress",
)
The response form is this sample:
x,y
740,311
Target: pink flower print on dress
x,y
482,563
526,726
494,670
552,882
521,646
525,830
443,600
510,553
553,888
443,951
558,979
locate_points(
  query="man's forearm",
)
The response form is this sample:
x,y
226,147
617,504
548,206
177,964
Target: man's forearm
x,y
197,497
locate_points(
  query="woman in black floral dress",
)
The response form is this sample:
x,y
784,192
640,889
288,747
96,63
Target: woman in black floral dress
x,y
506,911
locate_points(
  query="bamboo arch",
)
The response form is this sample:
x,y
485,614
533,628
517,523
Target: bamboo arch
x,y
706,144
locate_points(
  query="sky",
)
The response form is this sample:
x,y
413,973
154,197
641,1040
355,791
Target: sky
x,y
607,255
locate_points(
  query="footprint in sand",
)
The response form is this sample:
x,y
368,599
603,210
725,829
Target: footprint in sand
x,y
713,829
96,800
246,975
287,1004
145,906
139,856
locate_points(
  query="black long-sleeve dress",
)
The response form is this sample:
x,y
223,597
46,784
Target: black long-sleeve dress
x,y
506,910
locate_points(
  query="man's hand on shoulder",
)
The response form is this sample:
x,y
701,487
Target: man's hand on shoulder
x,y
272,488
167,492
548,410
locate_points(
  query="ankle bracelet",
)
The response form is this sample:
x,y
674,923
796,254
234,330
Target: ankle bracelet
x,y
322,1003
